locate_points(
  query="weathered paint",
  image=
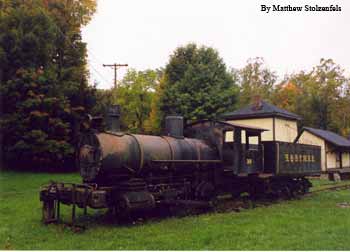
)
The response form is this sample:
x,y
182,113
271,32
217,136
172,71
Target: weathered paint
x,y
114,155
285,130
346,159
332,160
308,138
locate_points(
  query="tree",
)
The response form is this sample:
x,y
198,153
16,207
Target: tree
x,y
320,96
286,95
71,55
44,85
255,79
324,89
289,95
196,84
135,95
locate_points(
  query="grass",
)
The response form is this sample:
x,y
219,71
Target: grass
x,y
312,223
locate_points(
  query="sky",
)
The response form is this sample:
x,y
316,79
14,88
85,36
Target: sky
x,y
143,34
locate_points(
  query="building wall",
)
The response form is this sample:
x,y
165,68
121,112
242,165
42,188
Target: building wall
x,y
286,130
308,138
332,160
332,156
265,123
346,159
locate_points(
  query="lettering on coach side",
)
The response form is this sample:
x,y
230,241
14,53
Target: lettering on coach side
x,y
286,157
299,158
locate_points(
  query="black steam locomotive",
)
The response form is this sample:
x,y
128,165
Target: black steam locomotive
x,y
189,165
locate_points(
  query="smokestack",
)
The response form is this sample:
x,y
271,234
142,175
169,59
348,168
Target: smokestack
x,y
113,115
174,126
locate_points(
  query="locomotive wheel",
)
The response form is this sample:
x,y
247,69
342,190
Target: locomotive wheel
x,y
294,189
121,209
286,192
303,187
299,189
306,185
236,194
214,202
205,191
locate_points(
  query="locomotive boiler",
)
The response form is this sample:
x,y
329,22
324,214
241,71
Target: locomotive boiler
x,y
108,158
189,165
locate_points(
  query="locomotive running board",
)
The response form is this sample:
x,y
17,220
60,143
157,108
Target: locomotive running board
x,y
188,161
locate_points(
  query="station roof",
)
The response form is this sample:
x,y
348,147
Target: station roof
x,y
328,136
262,110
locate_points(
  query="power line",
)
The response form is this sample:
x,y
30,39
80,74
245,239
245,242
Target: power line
x,y
115,66
98,73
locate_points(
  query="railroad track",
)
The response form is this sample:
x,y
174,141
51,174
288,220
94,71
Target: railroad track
x,y
329,188
228,204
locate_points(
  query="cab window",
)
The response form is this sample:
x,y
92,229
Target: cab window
x,y
229,137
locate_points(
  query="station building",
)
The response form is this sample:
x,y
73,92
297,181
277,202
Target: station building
x,y
335,149
281,125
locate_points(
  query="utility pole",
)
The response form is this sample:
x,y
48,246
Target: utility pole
x,y
115,66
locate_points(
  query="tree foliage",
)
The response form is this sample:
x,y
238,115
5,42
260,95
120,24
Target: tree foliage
x,y
255,79
135,95
320,96
43,77
196,84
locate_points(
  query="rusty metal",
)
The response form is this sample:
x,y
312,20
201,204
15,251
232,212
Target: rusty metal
x,y
117,155
174,126
139,144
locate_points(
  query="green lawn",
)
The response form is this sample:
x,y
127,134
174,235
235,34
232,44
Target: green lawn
x,y
312,223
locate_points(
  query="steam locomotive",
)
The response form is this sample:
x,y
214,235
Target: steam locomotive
x,y
190,165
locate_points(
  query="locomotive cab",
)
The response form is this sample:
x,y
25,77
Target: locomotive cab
x,y
240,146
243,150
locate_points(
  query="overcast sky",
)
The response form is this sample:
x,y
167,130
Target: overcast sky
x,y
144,33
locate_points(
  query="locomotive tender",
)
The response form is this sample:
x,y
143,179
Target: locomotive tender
x,y
189,165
